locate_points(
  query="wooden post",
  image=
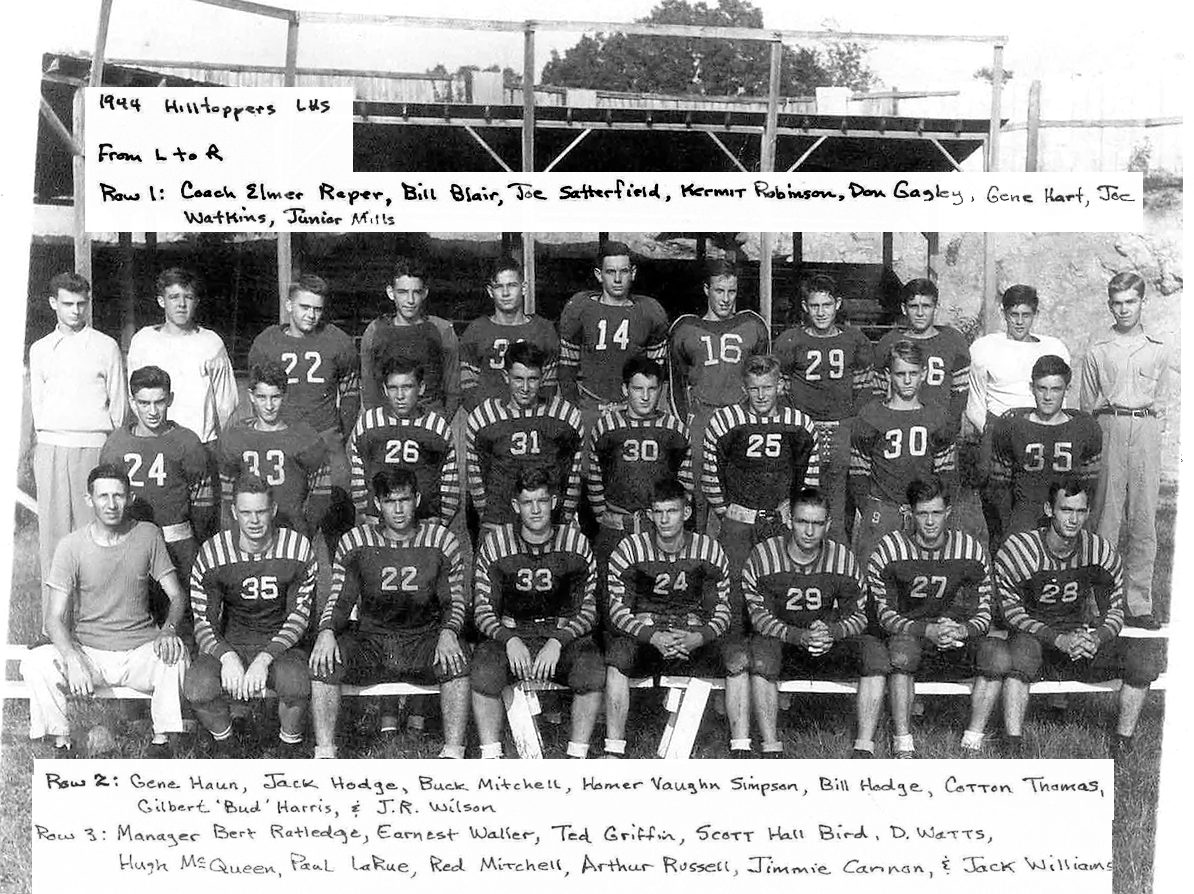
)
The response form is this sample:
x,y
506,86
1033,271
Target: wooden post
x,y
528,152
528,269
101,44
996,109
932,254
128,290
888,251
78,169
765,267
990,315
285,242
767,150
1032,148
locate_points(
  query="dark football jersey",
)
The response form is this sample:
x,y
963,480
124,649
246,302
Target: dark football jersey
x,y
290,461
829,378
783,596
1044,596
629,455
889,449
168,472
322,369
256,600
947,369
913,587
431,343
757,461
652,590
483,357
1027,457
597,339
520,585
707,358
503,441
424,444
416,583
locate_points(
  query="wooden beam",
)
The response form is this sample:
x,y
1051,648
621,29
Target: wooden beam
x,y
767,151
128,289
1175,121
766,257
996,109
285,272
279,69
489,149
1033,142
730,155
807,152
643,28
82,240
528,269
991,307
60,129
576,142
528,99
290,75
932,253
257,9
953,161
101,45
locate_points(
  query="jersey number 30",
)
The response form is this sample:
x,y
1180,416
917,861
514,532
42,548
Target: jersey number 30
x,y
918,442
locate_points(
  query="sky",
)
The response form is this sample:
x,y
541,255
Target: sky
x,y
1044,39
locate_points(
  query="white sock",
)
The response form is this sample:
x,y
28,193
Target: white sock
x,y
740,744
972,740
492,751
615,746
325,752
776,747
220,737
903,743
389,724
867,745
578,749
290,738
453,752
159,739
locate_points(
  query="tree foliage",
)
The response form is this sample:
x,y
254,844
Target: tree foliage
x,y
649,64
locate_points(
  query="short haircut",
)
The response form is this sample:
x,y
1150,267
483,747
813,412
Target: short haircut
x,y
309,282
107,470
909,351
759,365
251,484
1069,486
668,489
1126,281
501,265
270,373
529,355
817,282
919,286
921,490
533,479
810,496
178,276
399,365
716,267
1051,365
393,480
68,281
1020,294
641,365
613,249
149,377
412,267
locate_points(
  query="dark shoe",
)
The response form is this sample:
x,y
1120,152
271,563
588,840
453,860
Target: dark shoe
x,y
739,754
860,754
292,751
904,755
1143,622
1012,747
47,748
772,755
159,751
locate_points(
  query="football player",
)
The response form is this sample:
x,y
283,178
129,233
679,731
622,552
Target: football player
x,y
804,595
406,577
932,594
535,606
251,592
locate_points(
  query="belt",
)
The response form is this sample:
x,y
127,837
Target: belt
x,y
748,516
628,522
175,533
1125,411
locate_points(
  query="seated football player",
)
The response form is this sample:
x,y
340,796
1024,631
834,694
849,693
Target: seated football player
x,y
405,576
98,620
251,592
1061,589
535,606
288,455
932,595
804,595
669,613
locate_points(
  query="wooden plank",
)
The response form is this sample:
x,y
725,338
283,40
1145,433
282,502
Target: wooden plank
x,y
528,100
272,12
292,36
528,269
59,129
1102,122
576,142
766,283
996,103
175,64
489,149
888,250
285,272
128,289
521,720
807,152
688,720
101,45
720,145
932,254
1033,141
81,240
644,28
767,150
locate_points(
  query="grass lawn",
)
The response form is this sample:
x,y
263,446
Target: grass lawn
x,y
815,727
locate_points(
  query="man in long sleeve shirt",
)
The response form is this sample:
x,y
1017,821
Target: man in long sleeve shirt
x,y
78,397
1125,383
